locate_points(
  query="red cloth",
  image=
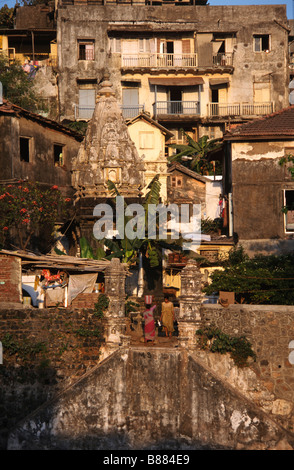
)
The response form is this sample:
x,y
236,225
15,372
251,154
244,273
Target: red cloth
x,y
149,327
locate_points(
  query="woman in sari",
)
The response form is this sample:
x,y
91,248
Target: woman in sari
x,y
149,324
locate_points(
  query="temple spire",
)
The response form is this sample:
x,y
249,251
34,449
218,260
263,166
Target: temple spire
x,y
107,152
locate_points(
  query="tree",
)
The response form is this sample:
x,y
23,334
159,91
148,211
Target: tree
x,y
27,210
197,151
6,17
17,85
258,280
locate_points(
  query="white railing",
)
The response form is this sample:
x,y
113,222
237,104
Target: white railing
x,y
223,60
83,112
176,107
159,60
131,111
240,109
128,111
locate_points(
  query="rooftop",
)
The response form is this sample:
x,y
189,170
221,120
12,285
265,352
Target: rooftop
x,y
277,125
10,109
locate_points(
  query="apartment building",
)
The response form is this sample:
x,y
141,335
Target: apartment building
x,y
187,64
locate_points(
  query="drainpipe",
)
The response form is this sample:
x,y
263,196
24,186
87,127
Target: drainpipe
x,y
231,229
155,107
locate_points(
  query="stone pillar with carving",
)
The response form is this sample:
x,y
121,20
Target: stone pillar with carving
x,y
114,318
190,304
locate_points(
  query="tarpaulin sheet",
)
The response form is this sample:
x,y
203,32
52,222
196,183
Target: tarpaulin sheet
x,y
80,283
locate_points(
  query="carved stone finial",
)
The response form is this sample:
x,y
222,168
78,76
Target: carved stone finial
x,y
106,86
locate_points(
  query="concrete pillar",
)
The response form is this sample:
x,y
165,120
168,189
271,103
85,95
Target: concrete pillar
x,y
190,304
114,317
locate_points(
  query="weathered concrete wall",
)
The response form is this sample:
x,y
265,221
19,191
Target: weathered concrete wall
x,y
142,399
249,67
258,184
41,165
270,329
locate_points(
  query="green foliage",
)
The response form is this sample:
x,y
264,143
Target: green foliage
x,y
28,209
87,333
18,86
77,126
214,340
87,250
101,305
198,152
289,158
128,250
211,225
6,17
131,306
24,349
258,280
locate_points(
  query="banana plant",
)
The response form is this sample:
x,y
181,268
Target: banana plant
x,y
126,249
196,152
130,250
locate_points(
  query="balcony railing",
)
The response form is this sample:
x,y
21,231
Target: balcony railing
x,y
128,112
223,60
84,112
176,107
131,111
240,109
159,60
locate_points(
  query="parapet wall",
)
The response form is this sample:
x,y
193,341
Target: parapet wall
x,y
270,329
73,352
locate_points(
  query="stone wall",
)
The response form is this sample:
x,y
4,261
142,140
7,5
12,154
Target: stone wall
x,y
134,384
149,398
270,330
44,350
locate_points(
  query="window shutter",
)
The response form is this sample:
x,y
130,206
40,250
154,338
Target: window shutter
x,y
186,48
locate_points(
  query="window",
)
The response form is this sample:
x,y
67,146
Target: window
x,y
87,97
289,210
130,102
146,140
86,50
115,45
261,42
261,92
58,155
24,149
176,181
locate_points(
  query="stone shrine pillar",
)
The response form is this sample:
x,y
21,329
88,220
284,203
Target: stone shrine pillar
x,y
190,304
114,318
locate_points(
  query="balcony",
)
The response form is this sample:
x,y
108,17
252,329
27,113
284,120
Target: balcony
x,y
131,111
128,111
239,109
223,60
83,112
149,60
173,108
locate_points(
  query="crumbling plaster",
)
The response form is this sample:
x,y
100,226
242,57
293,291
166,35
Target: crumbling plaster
x,y
94,21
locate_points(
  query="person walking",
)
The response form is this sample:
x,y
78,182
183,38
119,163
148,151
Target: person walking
x,y
149,324
167,316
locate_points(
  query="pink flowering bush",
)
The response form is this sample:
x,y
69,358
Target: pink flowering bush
x,y
28,209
